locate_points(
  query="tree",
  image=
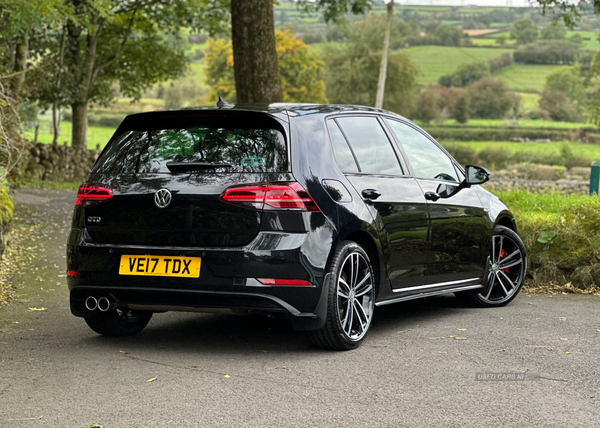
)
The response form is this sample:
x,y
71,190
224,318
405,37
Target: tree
x,y
466,74
116,42
352,68
554,31
300,70
450,36
461,110
254,51
427,107
568,80
567,10
490,99
559,106
524,31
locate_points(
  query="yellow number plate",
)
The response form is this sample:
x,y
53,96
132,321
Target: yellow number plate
x,y
187,267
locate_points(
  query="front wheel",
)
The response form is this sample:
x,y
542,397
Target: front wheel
x,y
507,266
351,299
119,322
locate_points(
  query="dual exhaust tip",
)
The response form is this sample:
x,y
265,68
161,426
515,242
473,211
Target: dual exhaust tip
x,y
103,304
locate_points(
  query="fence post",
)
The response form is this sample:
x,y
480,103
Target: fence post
x,y
595,178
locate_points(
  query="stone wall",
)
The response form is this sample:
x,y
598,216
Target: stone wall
x,y
48,162
540,186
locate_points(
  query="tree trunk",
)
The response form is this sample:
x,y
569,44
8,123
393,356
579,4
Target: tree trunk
x,y
384,57
79,131
20,64
254,52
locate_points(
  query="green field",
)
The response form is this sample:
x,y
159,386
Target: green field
x,y
592,44
522,123
486,41
436,61
591,151
529,101
96,135
525,77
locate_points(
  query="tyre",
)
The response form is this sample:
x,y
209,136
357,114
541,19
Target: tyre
x,y
119,322
351,299
507,266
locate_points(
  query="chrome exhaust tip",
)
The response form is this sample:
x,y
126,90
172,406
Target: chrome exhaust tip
x,y
91,303
104,304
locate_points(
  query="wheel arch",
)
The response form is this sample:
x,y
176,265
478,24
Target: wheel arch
x,y
370,245
507,221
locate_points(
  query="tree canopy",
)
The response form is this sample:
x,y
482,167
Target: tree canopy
x,y
352,69
300,69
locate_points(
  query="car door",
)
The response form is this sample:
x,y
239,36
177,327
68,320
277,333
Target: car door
x,y
458,225
365,154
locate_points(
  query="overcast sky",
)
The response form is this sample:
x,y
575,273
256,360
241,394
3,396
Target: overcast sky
x,y
514,3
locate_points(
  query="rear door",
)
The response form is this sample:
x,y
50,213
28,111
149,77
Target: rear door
x,y
365,154
458,225
195,159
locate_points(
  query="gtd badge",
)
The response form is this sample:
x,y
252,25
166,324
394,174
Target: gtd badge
x,y
162,198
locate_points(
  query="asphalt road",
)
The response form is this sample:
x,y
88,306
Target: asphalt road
x,y
417,367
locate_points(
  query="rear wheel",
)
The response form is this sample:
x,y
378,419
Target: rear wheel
x,y
507,266
119,322
351,299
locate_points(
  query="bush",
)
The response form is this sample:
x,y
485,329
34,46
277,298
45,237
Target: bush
x,y
573,254
547,52
428,105
498,63
490,99
312,38
559,106
467,133
6,206
466,74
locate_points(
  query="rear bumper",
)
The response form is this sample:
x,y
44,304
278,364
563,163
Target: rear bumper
x,y
227,278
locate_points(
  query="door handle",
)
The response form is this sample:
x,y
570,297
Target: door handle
x,y
370,194
432,196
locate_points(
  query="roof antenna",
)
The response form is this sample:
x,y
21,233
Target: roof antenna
x,y
221,103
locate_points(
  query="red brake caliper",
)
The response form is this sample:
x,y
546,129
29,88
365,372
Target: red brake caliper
x,y
502,255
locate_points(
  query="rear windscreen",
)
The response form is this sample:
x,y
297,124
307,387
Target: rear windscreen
x,y
242,150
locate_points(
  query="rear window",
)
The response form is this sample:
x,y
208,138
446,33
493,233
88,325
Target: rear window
x,y
246,150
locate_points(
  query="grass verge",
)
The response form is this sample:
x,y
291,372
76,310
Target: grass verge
x,y
560,234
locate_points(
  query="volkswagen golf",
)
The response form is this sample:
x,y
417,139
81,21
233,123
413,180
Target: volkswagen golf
x,y
318,212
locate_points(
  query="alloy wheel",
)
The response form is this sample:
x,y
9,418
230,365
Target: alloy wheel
x,y
355,296
506,269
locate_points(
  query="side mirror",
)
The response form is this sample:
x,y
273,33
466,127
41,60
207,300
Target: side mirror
x,y
477,174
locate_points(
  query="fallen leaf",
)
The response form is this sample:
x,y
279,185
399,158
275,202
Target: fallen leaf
x,y
227,376
37,309
151,380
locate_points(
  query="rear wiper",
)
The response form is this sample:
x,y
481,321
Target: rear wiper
x,y
195,166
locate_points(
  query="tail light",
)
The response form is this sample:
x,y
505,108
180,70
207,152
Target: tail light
x,y
92,194
271,196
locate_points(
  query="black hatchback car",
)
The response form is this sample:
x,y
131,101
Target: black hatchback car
x,y
318,212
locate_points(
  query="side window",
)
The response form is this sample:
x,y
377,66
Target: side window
x,y
425,157
370,145
343,154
